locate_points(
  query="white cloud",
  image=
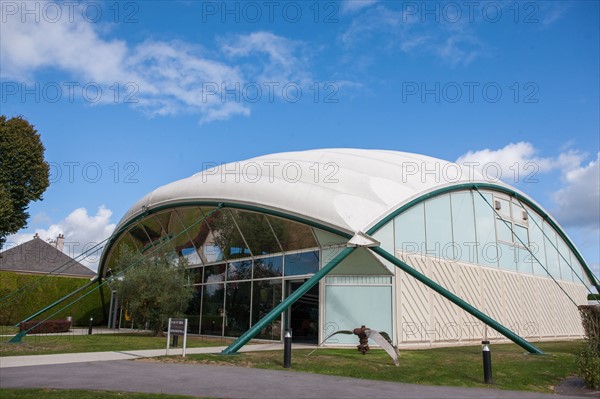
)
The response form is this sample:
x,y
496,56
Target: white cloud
x,y
410,31
348,6
514,162
579,201
164,77
82,231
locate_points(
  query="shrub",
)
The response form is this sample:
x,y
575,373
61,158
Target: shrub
x,y
46,327
589,359
45,292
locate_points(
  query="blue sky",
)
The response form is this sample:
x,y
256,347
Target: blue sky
x,y
148,92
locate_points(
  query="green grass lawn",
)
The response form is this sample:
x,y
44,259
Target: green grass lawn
x,y
65,394
459,366
42,345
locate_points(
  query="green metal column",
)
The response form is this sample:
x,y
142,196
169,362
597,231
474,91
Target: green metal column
x,y
279,309
458,301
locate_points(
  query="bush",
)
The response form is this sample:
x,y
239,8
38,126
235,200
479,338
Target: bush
x,y
50,289
589,359
46,327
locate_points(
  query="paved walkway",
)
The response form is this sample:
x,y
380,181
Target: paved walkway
x,y
228,382
112,372
66,358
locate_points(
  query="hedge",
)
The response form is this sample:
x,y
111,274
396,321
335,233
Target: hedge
x,y
47,327
48,290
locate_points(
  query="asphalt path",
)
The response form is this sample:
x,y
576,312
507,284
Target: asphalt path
x,y
228,382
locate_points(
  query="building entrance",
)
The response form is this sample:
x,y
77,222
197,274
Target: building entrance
x,y
303,316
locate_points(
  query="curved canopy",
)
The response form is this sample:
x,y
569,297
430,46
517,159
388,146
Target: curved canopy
x,y
346,189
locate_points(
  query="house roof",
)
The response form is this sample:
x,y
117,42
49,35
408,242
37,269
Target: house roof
x,y
39,257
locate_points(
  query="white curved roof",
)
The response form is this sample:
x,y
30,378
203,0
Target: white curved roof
x,y
347,189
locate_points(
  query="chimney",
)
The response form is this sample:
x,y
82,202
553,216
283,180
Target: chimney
x,y
60,242
36,235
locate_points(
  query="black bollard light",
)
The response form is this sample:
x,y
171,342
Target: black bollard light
x,y
287,349
90,327
487,362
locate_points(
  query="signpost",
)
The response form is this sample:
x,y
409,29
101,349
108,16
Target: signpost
x,y
177,327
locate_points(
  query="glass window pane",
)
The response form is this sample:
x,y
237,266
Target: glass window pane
x,y
257,232
237,308
193,311
463,222
410,230
536,245
211,322
180,240
226,235
503,229
524,261
517,213
504,210
552,262
579,274
564,259
486,231
268,267
214,273
200,237
196,275
507,254
139,236
521,235
267,295
124,245
438,228
241,270
153,228
292,236
302,263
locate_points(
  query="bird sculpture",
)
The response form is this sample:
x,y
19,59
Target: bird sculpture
x,y
364,334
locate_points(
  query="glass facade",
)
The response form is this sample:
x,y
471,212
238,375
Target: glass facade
x,y
490,229
239,263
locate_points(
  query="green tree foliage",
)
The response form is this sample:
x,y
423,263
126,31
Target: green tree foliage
x,y
23,173
154,288
589,358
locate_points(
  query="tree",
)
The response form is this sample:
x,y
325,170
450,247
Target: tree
x,y
153,288
23,173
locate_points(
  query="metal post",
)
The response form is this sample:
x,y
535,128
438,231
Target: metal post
x,y
287,349
90,327
487,362
175,340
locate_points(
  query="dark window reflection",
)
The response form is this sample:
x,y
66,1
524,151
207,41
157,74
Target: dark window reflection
x,y
302,263
193,312
212,309
226,235
140,237
196,275
292,236
237,308
257,232
153,228
266,295
214,273
268,267
241,270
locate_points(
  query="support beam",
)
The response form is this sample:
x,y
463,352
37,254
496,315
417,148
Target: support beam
x,y
458,301
289,301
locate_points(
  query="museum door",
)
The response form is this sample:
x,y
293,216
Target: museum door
x,y
303,316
